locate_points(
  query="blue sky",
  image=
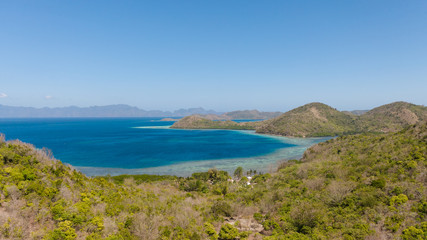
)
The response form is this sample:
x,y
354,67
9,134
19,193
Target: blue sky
x,y
221,55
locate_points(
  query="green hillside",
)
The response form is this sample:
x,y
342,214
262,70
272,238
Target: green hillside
x,y
352,187
310,120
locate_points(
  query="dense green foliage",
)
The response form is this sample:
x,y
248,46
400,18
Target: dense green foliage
x,y
352,187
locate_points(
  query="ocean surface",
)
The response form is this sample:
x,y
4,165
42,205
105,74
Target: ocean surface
x,y
146,145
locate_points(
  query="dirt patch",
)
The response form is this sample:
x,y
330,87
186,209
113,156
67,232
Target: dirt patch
x,y
317,115
408,116
245,224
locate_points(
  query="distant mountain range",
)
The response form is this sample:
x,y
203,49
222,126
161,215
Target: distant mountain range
x,y
120,110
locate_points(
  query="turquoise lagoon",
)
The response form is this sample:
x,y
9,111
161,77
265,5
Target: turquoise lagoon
x,y
148,146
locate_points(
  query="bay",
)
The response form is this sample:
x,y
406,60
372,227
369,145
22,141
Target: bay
x,y
101,146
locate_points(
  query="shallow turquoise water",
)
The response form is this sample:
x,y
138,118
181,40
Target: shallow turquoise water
x,y
146,145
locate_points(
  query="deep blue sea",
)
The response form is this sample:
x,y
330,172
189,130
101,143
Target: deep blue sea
x,y
117,145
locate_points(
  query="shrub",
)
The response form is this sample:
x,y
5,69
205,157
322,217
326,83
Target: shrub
x,y
29,175
98,223
194,185
338,190
64,231
221,208
422,208
243,180
378,183
413,233
393,223
228,232
259,217
210,231
306,214
270,225
398,200
217,176
260,178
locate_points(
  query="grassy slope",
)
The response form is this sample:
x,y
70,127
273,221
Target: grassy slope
x,y
352,187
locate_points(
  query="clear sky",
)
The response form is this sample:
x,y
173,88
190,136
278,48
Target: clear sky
x,y
222,55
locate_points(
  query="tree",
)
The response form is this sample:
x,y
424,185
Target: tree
x,y
238,173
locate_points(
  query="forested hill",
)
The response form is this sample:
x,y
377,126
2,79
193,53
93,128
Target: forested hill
x,y
352,187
